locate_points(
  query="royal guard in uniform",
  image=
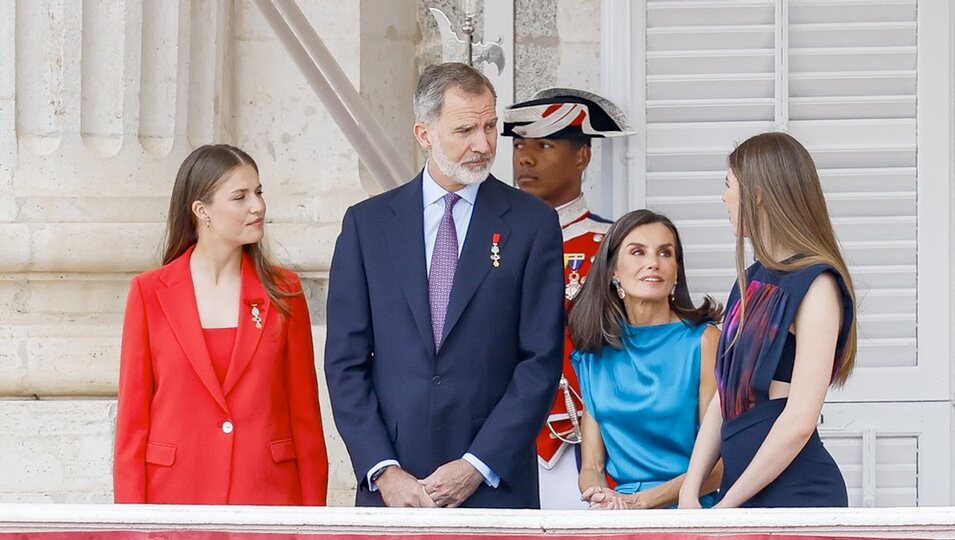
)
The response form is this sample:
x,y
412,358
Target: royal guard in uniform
x,y
552,134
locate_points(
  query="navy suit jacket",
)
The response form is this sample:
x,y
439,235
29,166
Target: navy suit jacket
x,y
488,390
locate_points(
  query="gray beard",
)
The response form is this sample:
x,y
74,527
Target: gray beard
x,y
457,171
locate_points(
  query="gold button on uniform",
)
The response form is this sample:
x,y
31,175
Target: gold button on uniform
x,y
227,427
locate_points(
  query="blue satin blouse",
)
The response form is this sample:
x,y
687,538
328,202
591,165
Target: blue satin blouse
x,y
645,399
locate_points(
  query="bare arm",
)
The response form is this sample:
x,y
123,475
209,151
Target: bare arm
x,y
709,344
668,494
593,472
817,331
593,455
706,454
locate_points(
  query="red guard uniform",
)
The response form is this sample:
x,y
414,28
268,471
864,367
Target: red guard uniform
x,y
583,233
564,113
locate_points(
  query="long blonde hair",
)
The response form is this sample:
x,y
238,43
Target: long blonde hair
x,y
778,170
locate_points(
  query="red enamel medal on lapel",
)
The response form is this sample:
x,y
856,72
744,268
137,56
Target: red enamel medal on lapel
x,y
495,250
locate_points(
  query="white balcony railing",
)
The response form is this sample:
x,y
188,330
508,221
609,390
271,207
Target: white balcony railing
x,y
926,522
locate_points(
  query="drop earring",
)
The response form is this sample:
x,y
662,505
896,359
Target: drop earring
x,y
673,291
208,222
621,294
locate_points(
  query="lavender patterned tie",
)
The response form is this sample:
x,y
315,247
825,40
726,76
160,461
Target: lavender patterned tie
x,y
444,260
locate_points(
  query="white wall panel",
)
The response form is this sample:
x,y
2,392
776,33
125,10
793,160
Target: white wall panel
x,y
867,87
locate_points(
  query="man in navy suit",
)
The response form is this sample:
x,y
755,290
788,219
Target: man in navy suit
x,y
445,318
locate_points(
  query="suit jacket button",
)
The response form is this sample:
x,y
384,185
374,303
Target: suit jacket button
x,y
436,380
227,427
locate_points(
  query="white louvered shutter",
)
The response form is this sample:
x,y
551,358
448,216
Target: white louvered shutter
x,y
852,102
890,454
842,77
711,82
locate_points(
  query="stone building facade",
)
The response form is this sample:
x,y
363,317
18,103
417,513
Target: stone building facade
x,y
99,103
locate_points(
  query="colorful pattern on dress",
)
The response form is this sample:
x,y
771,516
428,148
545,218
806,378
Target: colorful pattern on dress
x,y
736,363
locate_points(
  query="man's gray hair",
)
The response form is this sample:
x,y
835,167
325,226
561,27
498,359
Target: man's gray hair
x,y
437,79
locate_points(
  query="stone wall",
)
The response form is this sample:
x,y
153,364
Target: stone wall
x,y
99,103
556,42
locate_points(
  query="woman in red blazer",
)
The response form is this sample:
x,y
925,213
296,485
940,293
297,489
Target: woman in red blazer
x,y
218,398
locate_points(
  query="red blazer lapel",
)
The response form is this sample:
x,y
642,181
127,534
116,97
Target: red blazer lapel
x,y
248,335
178,303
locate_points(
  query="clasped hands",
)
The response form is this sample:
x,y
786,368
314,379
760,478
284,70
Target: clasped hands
x,y
448,486
604,498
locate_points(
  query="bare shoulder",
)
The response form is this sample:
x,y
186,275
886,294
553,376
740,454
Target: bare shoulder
x,y
710,337
821,306
823,290
709,343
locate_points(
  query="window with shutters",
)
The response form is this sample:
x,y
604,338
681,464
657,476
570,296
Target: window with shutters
x,y
890,454
841,78
866,86
894,467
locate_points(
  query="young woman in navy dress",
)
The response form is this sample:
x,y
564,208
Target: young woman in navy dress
x,y
784,342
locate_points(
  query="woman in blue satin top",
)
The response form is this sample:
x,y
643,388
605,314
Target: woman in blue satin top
x,y
645,360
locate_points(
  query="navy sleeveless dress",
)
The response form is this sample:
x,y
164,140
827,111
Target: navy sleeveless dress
x,y
764,351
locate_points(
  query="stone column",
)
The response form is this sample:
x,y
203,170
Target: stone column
x,y
99,103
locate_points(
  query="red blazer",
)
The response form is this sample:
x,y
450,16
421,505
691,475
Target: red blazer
x,y
181,437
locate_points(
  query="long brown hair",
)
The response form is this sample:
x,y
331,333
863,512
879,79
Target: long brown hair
x,y
778,170
597,317
199,176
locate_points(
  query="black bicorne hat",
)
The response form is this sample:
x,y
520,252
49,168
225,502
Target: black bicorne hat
x,y
565,113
